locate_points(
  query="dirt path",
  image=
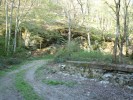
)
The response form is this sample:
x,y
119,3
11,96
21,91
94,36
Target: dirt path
x,y
8,90
84,89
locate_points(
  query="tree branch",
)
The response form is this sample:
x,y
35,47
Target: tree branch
x,y
110,7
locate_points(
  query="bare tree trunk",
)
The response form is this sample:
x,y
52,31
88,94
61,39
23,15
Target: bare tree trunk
x,y
69,27
127,44
20,38
82,10
124,37
89,41
16,27
127,36
88,34
10,28
126,23
117,29
6,35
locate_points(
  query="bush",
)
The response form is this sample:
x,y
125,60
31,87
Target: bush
x,y
95,34
13,61
21,53
65,53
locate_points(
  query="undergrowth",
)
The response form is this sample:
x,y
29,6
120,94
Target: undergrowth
x,y
65,53
73,52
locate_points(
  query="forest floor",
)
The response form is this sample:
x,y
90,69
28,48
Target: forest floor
x,y
66,87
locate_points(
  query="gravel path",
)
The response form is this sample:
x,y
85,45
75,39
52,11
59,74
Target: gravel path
x,y
84,89
8,90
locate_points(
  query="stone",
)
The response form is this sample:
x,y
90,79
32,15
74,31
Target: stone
x,y
62,67
107,76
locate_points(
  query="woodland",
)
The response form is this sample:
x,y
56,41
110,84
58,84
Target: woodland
x,y
56,49
87,30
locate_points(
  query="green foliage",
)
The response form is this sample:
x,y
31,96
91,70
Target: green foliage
x,y
65,53
21,53
131,56
2,45
91,56
13,61
2,73
25,89
56,82
55,37
95,34
73,52
53,82
109,37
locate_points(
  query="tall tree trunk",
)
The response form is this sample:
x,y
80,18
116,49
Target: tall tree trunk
x,y
20,38
117,29
16,27
127,37
6,34
124,37
126,21
89,41
88,34
10,28
82,10
69,27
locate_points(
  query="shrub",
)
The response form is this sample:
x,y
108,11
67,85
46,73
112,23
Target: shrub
x,y
65,53
13,61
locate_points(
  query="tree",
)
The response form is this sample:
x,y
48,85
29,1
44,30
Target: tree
x,y
117,5
16,27
87,27
10,27
125,35
67,12
6,34
117,33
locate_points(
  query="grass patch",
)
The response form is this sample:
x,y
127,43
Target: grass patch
x,y
91,56
2,73
25,89
56,82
